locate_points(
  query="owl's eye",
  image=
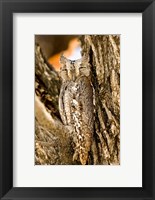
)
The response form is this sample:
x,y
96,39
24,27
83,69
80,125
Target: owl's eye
x,y
84,68
64,70
84,71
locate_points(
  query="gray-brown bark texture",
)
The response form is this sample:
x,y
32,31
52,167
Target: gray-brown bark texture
x,y
53,144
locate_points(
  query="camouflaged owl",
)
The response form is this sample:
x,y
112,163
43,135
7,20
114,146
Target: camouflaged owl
x,y
76,104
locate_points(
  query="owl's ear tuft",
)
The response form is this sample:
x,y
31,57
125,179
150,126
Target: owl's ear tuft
x,y
85,58
63,59
79,61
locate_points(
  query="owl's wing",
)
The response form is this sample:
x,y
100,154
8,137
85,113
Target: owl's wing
x,y
65,104
61,105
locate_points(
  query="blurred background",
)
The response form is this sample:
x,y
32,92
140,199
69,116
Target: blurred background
x,y
53,45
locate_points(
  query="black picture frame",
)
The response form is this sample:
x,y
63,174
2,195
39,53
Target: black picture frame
x,y
7,8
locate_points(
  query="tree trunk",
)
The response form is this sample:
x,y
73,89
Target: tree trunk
x,y
53,144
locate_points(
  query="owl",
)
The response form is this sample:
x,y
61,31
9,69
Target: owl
x,y
76,104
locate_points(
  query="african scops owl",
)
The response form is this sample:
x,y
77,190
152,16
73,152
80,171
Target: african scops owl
x,y
76,104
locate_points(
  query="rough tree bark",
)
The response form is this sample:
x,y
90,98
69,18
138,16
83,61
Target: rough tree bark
x,y
53,145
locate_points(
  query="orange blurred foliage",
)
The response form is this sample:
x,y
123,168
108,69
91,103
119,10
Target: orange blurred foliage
x,y
54,60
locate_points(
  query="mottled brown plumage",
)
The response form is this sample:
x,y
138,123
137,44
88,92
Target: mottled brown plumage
x,y
76,104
